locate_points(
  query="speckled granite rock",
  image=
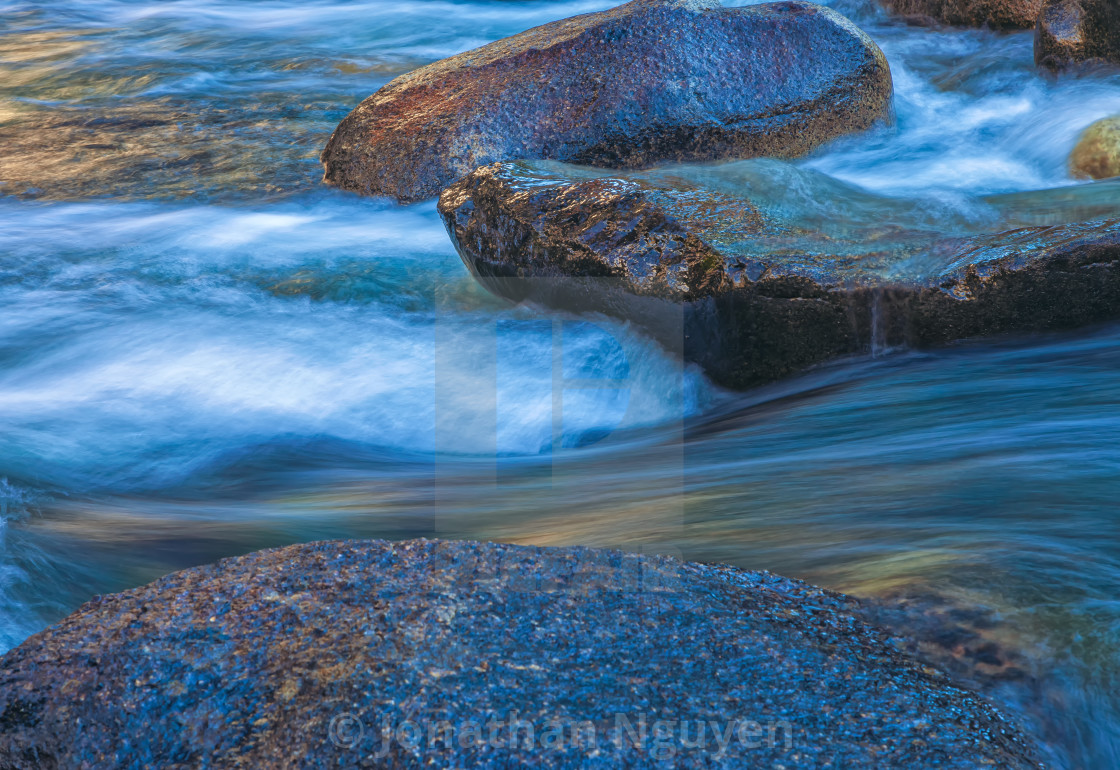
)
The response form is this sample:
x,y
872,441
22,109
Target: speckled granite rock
x,y
1097,154
995,14
1077,33
648,81
337,653
712,277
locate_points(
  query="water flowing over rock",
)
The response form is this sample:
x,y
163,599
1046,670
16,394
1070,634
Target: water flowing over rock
x,y
995,14
1097,154
763,296
1077,32
649,81
458,654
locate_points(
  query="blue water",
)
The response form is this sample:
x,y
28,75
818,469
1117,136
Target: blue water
x,y
204,352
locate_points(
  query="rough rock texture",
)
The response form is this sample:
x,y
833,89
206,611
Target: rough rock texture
x,y
352,653
649,81
1097,154
995,14
1077,32
680,261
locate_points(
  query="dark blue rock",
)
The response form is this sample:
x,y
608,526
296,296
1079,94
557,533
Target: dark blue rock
x,y
453,654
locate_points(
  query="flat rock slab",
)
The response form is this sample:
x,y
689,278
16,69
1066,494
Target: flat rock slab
x,y
753,296
649,81
454,654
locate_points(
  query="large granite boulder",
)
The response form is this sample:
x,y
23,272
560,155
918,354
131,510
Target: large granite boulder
x,y
994,14
649,81
1082,33
452,654
1097,154
751,296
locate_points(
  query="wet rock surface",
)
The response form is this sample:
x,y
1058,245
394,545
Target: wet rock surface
x,y
649,81
1097,154
994,14
338,652
752,296
1078,33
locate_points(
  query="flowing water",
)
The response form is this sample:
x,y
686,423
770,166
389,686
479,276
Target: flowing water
x,y
205,352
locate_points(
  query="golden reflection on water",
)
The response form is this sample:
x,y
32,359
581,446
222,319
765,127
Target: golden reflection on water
x,y
639,522
73,128
389,68
44,45
157,150
148,534
10,111
45,65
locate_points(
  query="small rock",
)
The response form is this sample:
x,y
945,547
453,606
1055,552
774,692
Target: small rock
x,y
1097,154
994,14
649,81
1077,33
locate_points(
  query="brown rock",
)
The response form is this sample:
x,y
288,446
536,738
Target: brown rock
x,y
1097,154
451,654
742,293
995,14
649,81
1077,33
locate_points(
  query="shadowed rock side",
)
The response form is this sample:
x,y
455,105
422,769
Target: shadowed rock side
x,y
648,81
995,14
273,660
652,252
1077,33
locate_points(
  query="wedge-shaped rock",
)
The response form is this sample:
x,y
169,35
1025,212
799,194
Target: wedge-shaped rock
x,y
763,294
649,81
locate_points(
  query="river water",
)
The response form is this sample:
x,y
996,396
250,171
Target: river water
x,y
205,352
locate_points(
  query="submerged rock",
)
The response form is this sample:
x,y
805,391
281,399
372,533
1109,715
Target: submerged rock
x,y
1077,32
752,296
649,81
1097,154
158,149
961,635
995,14
452,654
